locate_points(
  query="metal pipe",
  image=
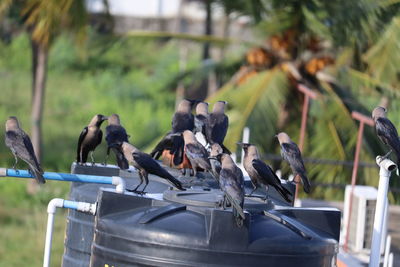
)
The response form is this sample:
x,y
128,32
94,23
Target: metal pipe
x,y
51,210
387,250
66,177
308,93
363,120
386,167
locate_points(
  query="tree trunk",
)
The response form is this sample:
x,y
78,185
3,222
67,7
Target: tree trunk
x,y
39,73
207,29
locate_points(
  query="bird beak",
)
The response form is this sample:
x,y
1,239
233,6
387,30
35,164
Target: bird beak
x,y
239,143
176,134
105,118
212,158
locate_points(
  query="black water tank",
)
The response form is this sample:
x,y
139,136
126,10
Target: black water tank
x,y
190,230
80,226
79,229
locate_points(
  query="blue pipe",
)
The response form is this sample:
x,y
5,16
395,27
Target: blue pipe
x,y
66,177
70,204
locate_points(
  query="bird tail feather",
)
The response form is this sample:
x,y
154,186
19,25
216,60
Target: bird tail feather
x,y
38,173
306,183
284,193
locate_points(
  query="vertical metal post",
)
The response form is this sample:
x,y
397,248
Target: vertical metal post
x,y
363,120
386,167
308,93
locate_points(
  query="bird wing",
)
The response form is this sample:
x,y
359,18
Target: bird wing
x,y
80,140
182,122
196,151
99,137
201,123
218,128
232,182
115,134
151,166
265,172
31,153
386,131
292,155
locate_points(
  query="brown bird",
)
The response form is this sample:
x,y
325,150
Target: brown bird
x,y
260,172
115,136
21,146
183,118
145,165
196,152
386,131
231,182
89,139
291,153
218,124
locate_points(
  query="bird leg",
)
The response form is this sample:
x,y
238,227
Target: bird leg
x,y
387,154
141,182
146,178
108,153
224,203
16,161
266,195
254,189
191,172
91,156
183,170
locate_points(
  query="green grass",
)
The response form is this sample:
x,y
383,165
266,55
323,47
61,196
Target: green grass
x,y
128,78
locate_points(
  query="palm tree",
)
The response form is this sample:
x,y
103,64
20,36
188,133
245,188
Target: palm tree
x,y
266,98
44,20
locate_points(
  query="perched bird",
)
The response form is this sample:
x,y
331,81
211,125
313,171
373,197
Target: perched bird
x,y
291,153
201,122
232,183
196,152
216,149
90,138
173,144
115,136
145,165
386,131
260,172
183,118
21,146
218,125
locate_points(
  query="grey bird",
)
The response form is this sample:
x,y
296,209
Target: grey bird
x,y
232,183
145,165
115,136
89,139
201,122
386,131
183,118
218,124
196,153
216,149
260,173
291,153
21,146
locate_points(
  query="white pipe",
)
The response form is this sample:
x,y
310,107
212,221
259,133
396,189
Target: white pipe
x,y
387,251
51,210
386,167
245,140
119,183
390,264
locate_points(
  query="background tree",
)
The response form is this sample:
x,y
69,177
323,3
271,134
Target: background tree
x,y
44,20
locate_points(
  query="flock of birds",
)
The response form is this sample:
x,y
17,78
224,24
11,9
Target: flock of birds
x,y
195,142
